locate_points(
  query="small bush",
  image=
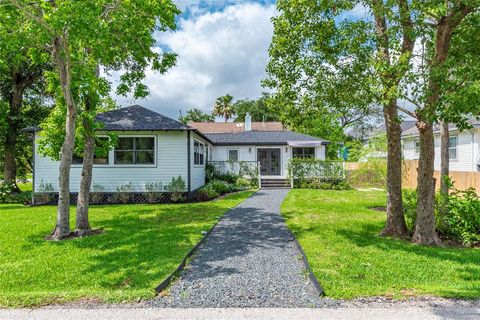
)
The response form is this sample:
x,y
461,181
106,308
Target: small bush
x,y
222,187
242,183
9,195
177,188
410,207
153,191
461,220
205,193
315,183
123,193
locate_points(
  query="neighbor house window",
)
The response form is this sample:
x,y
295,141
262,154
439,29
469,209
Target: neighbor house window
x,y
306,152
198,153
416,145
233,155
100,157
135,150
452,147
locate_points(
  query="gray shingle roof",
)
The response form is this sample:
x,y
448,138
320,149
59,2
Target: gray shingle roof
x,y
135,118
259,138
412,132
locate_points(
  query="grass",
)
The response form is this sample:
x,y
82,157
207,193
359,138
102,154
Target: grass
x,y
25,186
339,234
141,246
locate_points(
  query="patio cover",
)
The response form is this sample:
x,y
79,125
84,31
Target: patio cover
x,y
304,143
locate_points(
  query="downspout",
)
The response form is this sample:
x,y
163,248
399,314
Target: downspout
x,y
189,165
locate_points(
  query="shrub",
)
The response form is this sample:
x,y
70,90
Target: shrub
x,y
123,193
318,183
153,191
460,222
221,187
205,193
9,195
242,183
177,188
410,206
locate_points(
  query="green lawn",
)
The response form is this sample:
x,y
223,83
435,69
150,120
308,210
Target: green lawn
x,y
141,246
338,233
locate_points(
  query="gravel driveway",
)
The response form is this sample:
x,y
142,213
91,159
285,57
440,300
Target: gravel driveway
x,y
249,260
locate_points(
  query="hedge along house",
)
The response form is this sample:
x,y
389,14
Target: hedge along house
x,y
151,148
154,149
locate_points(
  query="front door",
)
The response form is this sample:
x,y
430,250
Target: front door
x,y
269,161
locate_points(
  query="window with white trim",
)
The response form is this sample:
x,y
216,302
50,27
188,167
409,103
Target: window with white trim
x,y
416,146
198,153
135,151
233,155
303,152
452,147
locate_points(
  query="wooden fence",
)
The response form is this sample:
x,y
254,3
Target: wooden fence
x,y
462,179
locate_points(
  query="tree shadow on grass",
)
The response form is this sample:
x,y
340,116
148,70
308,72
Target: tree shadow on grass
x,y
468,259
141,245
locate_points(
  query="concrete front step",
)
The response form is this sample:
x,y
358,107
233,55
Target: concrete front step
x,y
275,183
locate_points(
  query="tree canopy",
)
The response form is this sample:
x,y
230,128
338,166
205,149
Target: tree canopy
x,y
196,115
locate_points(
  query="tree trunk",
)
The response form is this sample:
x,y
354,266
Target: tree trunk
x,y
20,83
10,143
425,231
395,225
444,166
82,226
62,59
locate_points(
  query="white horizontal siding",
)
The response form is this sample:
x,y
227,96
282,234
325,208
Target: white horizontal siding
x,y
171,161
467,150
198,171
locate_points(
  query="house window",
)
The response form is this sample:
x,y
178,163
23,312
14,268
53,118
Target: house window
x,y
416,145
307,152
452,147
100,157
198,153
232,155
135,150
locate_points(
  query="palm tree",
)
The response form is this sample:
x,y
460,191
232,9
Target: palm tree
x,y
224,107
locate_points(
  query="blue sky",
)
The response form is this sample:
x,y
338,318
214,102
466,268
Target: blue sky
x,y
222,48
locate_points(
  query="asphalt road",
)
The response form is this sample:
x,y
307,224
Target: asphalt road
x,y
390,313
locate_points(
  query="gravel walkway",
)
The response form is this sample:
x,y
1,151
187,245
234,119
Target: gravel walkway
x,y
249,260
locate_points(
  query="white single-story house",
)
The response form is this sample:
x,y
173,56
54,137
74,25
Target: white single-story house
x,y
153,148
464,147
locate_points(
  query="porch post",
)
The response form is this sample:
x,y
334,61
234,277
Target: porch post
x,y
259,177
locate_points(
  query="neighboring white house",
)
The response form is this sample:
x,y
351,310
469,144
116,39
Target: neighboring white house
x,y
155,148
464,147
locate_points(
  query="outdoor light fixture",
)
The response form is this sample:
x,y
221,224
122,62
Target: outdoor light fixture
x,y
250,149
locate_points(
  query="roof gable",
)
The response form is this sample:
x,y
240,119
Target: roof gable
x,y
137,118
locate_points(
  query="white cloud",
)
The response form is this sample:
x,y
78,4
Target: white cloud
x,y
218,53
